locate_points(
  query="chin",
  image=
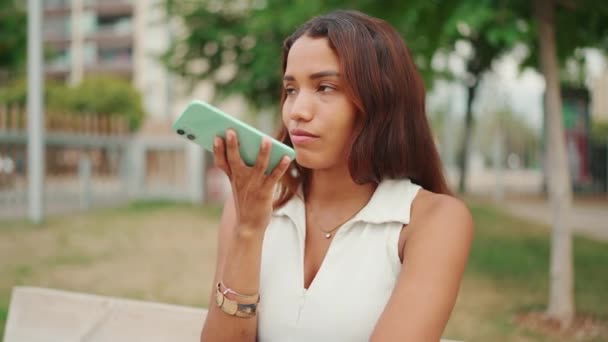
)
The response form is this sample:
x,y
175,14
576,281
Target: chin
x,y
313,161
305,162
308,160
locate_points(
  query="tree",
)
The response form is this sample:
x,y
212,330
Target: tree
x,y
561,301
237,47
13,38
488,29
581,24
563,27
492,28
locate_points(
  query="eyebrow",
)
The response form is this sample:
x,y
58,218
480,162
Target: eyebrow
x,y
316,75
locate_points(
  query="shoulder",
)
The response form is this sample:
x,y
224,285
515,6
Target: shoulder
x,y
435,256
442,218
432,207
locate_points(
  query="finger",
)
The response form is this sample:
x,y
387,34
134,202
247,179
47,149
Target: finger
x,y
278,171
262,161
219,155
234,157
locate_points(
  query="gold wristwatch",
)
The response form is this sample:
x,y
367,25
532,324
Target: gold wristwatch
x,y
234,308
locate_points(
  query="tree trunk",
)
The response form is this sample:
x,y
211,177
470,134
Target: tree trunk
x,y
466,139
561,301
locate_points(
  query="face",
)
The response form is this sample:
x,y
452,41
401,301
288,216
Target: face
x,y
317,113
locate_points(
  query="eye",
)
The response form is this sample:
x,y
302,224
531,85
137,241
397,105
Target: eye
x,y
324,88
290,90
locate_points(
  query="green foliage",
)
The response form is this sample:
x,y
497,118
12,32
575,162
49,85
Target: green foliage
x,y
96,94
13,37
578,24
490,28
249,37
599,131
99,94
218,34
14,92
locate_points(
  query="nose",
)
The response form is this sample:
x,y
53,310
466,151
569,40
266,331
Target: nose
x,y
301,107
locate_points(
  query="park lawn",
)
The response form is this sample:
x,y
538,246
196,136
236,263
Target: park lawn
x,y
508,274
149,251
165,252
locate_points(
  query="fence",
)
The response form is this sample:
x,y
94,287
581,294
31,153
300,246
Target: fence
x,y
166,168
92,160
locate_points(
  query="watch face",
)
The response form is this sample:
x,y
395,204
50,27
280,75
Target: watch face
x,y
248,309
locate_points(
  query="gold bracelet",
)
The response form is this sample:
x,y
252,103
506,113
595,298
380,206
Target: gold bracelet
x,y
234,308
247,298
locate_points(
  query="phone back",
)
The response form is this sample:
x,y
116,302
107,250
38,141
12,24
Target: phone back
x,y
201,123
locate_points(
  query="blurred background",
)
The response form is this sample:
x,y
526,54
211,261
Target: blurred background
x,y
125,207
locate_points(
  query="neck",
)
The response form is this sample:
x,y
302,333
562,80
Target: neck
x,y
329,187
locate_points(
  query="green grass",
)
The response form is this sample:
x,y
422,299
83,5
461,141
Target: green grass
x,y
150,205
511,257
131,252
3,314
516,254
127,252
4,304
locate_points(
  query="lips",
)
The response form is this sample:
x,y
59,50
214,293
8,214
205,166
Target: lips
x,y
301,132
300,136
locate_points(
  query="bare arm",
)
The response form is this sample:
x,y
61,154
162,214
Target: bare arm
x,y
435,256
245,217
240,258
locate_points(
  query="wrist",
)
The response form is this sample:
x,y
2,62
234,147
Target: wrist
x,y
246,232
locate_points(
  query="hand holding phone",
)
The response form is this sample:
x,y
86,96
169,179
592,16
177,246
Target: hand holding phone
x,y
253,161
201,123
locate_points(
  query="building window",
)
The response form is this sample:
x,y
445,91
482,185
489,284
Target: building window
x,y
53,4
115,24
115,56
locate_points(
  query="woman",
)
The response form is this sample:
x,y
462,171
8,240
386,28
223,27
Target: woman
x,y
362,240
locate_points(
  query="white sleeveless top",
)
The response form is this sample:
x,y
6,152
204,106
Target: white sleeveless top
x,y
354,282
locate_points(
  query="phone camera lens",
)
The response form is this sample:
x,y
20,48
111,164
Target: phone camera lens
x,y
180,132
190,136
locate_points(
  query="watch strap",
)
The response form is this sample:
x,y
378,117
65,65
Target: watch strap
x,y
234,308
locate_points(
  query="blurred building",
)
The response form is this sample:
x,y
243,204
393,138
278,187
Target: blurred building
x,y
125,38
122,38
112,37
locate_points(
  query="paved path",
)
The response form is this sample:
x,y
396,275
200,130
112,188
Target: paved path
x,y
586,218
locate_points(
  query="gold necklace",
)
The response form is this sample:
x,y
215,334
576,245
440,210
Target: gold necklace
x,y
328,233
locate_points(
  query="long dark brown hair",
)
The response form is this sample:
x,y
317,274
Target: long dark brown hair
x,y
392,139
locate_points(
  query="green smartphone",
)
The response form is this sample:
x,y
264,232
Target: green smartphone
x,y
201,122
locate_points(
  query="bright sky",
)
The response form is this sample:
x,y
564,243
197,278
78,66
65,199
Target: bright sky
x,y
505,86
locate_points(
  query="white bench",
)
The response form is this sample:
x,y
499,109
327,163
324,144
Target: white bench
x,y
45,315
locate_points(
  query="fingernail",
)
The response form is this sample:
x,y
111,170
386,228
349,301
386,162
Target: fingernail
x,y
216,142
